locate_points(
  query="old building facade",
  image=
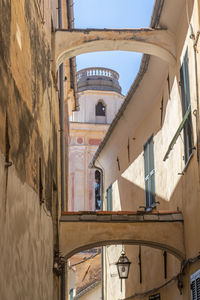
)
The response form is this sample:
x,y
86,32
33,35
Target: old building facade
x,y
154,167
148,160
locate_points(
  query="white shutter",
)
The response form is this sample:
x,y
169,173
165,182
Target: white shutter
x,y
195,285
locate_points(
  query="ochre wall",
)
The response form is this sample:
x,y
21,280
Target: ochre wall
x,y
26,241
29,124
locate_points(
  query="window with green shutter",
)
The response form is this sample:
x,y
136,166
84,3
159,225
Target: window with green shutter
x,y
186,107
149,174
109,198
195,285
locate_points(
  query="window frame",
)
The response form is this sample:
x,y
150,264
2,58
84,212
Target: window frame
x,y
103,105
149,174
97,190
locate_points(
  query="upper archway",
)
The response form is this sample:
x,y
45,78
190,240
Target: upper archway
x,y
83,230
157,42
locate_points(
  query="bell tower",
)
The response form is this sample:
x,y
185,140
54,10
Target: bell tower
x,y
99,96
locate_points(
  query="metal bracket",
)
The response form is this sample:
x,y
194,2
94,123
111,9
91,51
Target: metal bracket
x,y
8,164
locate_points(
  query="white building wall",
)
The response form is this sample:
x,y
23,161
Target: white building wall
x,y
88,101
93,294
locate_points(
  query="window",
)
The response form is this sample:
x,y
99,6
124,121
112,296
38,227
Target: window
x,y
71,294
195,285
97,190
186,108
154,297
100,109
149,174
109,198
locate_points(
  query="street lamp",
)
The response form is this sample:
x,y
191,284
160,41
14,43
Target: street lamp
x,y
123,266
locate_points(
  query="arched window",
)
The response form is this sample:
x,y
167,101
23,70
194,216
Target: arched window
x,y
100,109
97,187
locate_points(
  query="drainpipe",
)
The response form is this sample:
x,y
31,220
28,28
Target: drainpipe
x,y
102,274
62,162
62,145
59,14
62,116
62,135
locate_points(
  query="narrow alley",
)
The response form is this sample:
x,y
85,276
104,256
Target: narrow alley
x,y
99,149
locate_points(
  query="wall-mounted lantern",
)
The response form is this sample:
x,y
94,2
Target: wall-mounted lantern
x,y
123,266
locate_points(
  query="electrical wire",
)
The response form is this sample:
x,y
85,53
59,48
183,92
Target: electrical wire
x,y
84,260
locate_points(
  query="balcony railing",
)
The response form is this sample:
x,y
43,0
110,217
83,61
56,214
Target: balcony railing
x,y
101,72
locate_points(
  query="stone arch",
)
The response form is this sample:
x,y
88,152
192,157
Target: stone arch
x,y
159,246
84,230
158,42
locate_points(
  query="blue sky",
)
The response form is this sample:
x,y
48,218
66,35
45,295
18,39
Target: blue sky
x,y
113,14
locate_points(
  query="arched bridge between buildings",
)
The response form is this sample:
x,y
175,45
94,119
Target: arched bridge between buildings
x,y
84,230
158,42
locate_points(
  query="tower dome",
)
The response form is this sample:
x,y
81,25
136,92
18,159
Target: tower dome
x,y
100,79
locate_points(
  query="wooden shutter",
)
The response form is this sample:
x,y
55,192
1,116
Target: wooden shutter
x,y
195,285
186,103
149,173
109,198
185,84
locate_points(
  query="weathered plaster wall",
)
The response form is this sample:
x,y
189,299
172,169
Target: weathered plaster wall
x,y
114,289
111,277
150,272
29,115
26,242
